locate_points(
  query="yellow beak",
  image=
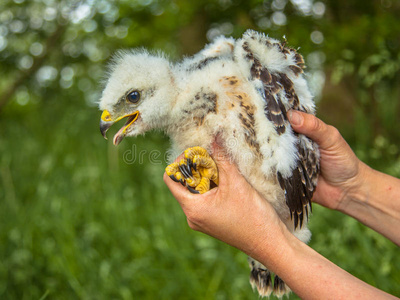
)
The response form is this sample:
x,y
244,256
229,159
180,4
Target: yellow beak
x,y
106,122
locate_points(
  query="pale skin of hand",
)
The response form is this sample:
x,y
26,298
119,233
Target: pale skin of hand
x,y
218,212
236,214
347,184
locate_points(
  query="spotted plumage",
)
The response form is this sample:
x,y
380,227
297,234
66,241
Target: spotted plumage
x,y
239,90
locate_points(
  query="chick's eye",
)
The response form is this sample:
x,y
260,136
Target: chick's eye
x,y
133,97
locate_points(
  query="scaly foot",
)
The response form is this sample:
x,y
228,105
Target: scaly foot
x,y
196,171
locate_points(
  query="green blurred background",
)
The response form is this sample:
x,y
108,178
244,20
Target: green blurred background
x,y
82,219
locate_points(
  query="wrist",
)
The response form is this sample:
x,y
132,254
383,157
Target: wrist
x,y
359,190
275,247
356,190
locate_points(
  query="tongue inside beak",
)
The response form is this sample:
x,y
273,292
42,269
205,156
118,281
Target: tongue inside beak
x,y
119,136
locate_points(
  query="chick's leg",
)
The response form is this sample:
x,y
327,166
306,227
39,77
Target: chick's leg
x,y
196,171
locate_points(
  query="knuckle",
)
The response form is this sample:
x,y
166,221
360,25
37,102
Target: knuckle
x,y
192,225
333,138
191,214
316,124
334,133
195,218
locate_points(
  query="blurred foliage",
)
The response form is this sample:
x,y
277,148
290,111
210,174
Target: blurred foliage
x,y
79,220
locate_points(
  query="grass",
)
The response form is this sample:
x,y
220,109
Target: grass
x,y
77,222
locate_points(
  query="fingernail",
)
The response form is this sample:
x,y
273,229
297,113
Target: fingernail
x,y
295,118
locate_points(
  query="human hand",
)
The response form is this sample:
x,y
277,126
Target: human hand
x,y
341,171
233,212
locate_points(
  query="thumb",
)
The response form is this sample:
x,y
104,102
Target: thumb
x,y
219,154
324,135
225,164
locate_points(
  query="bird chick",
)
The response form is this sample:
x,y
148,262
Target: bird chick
x,y
239,90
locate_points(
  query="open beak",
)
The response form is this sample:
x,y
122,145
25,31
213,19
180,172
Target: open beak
x,y
106,122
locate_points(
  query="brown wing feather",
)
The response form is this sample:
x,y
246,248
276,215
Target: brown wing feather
x,y
300,186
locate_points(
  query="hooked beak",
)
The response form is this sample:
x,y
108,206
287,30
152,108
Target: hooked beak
x,y
106,122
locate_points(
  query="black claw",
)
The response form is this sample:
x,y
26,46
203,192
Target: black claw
x,y
186,171
190,166
173,178
183,171
189,170
182,182
192,190
194,166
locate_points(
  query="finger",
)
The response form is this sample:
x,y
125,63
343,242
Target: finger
x,y
226,167
324,135
178,190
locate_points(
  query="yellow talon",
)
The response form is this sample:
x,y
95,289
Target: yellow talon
x,y
196,170
204,185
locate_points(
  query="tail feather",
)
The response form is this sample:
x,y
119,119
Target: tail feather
x,y
280,287
261,279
